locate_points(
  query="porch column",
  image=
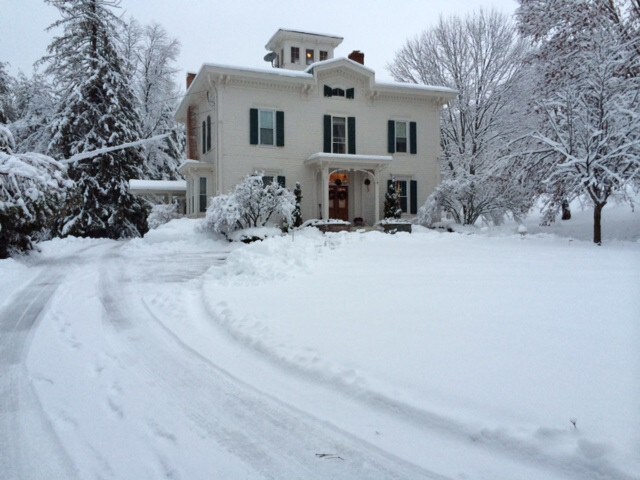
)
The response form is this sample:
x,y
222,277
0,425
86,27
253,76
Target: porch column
x,y
325,192
376,194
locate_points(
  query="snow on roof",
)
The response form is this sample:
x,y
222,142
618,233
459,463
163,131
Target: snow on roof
x,y
336,60
158,185
415,86
283,72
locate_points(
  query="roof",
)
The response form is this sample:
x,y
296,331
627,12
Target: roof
x,y
306,78
153,186
282,33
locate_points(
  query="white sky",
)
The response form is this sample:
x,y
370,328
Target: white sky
x,y
235,32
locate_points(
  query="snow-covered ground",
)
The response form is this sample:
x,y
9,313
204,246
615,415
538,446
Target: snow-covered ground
x,y
362,355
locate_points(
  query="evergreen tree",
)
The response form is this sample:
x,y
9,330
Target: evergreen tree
x,y
97,108
392,201
297,213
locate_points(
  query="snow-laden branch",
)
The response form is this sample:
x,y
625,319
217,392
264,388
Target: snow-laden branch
x,y
100,151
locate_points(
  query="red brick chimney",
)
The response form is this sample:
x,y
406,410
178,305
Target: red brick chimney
x,y
190,77
357,56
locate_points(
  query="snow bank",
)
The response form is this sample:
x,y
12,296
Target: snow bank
x,y
505,338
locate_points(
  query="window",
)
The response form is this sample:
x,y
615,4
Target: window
x,y
401,137
206,135
281,59
339,92
310,56
323,55
268,179
408,194
203,194
295,55
266,127
339,135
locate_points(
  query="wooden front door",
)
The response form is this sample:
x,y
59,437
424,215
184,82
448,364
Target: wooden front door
x,y
339,202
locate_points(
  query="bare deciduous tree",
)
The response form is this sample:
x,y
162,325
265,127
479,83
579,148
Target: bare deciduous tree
x,y
482,57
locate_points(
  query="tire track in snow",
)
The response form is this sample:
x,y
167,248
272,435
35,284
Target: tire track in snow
x,y
29,446
274,439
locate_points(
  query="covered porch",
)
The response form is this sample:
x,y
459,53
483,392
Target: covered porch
x,y
348,186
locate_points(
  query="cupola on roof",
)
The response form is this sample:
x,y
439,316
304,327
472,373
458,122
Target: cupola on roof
x,y
296,50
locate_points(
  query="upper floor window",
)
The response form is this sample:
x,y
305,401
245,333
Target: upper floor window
x,y
323,55
339,134
402,137
295,55
339,92
206,135
266,127
310,58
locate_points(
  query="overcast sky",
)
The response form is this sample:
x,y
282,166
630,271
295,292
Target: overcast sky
x,y
234,32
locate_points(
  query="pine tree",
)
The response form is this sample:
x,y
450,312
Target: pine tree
x,y
97,109
297,212
392,201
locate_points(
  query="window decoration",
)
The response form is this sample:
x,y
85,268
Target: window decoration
x,y
339,92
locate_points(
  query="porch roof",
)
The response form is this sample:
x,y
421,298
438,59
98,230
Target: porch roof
x,y
158,187
348,161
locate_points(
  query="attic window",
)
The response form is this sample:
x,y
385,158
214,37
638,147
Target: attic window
x,y
310,56
339,92
323,55
295,55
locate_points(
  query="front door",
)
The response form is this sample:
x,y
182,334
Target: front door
x,y
339,202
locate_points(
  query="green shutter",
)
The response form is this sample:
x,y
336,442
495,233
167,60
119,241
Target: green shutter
x,y
327,134
280,129
413,138
208,132
413,199
351,127
282,181
391,136
253,126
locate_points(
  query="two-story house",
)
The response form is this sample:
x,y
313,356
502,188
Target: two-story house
x,y
314,119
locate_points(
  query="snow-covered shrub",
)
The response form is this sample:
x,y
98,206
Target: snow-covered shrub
x,y
251,204
7,144
32,187
162,213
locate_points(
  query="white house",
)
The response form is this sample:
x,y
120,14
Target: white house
x,y
314,119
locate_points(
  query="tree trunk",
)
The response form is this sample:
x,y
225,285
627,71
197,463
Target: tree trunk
x,y
597,226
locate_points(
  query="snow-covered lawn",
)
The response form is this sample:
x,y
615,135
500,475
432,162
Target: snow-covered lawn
x,y
430,355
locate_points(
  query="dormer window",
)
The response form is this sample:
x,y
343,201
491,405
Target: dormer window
x,y
310,56
295,55
339,92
